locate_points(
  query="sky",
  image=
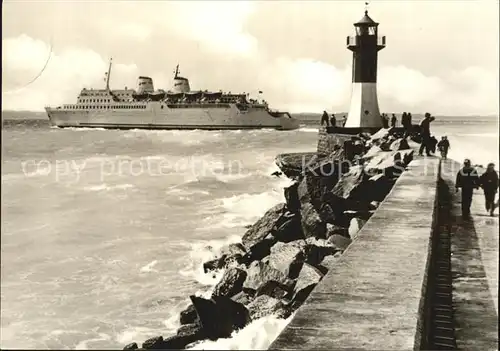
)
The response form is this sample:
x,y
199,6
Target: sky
x,y
441,56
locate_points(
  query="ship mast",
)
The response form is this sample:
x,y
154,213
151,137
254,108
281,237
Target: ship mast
x,y
176,71
108,74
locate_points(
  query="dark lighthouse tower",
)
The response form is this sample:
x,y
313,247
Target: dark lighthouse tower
x,y
365,45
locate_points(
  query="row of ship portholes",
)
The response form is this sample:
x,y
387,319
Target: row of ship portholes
x,y
107,107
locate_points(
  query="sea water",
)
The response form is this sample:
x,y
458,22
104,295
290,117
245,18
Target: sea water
x,y
104,232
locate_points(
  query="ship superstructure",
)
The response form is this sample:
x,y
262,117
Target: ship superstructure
x,y
177,108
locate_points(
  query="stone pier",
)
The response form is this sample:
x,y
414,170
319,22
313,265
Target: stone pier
x,y
377,295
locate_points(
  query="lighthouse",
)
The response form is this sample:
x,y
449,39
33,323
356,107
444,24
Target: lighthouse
x,y
365,45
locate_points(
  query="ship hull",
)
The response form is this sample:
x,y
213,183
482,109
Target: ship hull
x,y
155,115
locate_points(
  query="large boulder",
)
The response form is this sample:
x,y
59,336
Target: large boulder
x,y
259,250
328,262
356,225
263,227
326,213
312,224
231,282
336,205
384,161
330,166
215,264
233,250
288,228
399,144
188,315
310,190
294,164
274,289
364,136
308,278
286,258
385,143
354,148
220,316
380,162
292,197
382,133
317,249
378,187
260,272
242,297
406,156
131,346
332,229
351,184
155,343
339,241
186,335
187,329
372,152
265,305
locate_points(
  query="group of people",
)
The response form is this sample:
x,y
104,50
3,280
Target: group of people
x,y
468,180
393,121
331,121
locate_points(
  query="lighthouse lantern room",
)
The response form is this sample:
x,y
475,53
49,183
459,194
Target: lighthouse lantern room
x,y
365,45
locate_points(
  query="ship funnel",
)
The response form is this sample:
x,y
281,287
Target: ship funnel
x,y
144,85
181,84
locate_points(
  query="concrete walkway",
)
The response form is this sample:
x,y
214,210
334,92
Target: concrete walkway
x,y
487,233
474,270
372,299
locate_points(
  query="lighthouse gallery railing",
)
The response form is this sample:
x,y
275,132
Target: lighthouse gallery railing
x,y
353,41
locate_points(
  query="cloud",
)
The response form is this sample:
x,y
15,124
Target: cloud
x,y
217,25
66,74
473,90
130,29
305,84
407,86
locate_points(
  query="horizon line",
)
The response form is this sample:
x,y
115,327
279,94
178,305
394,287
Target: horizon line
x,y
310,113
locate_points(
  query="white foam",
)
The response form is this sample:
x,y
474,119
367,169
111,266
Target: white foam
x,y
258,335
132,334
201,252
176,189
247,208
149,267
308,130
227,178
106,187
83,345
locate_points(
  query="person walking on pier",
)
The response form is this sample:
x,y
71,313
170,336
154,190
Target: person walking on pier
x,y
393,120
404,120
432,144
425,133
385,120
324,118
468,180
489,182
333,120
443,147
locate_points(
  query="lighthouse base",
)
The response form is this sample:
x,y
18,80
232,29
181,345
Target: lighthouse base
x,y
364,110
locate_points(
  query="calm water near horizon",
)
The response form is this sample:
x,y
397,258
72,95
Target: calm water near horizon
x,y
104,231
